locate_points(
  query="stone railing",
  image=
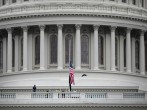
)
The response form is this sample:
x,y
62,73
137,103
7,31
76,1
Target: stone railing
x,y
95,95
133,95
7,95
92,7
72,97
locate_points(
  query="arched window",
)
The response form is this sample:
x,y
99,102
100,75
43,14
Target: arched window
x,y
1,55
137,54
124,52
101,50
116,52
37,50
68,38
13,52
53,49
84,49
21,51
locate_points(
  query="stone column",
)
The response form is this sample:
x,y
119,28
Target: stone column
x,y
113,48
96,60
25,48
142,53
9,52
78,48
133,55
42,48
16,53
128,50
121,55
60,47
4,54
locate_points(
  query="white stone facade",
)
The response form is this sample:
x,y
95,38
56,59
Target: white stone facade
x,y
108,44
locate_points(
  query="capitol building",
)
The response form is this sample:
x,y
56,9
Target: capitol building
x,y
108,50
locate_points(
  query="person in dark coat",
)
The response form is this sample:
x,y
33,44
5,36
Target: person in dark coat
x,y
34,88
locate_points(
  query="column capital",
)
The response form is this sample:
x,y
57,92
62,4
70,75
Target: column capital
x,y
42,27
78,26
129,29
9,30
60,26
113,28
25,28
96,27
142,32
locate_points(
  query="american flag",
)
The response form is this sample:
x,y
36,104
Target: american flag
x,y
71,74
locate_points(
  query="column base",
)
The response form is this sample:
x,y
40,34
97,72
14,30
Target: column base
x,y
78,68
113,69
41,68
96,68
128,71
142,73
9,71
25,69
60,68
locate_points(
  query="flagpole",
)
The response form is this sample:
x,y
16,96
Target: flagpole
x,y
69,63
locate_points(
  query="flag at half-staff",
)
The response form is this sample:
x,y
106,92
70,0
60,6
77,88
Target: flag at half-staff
x,y
71,76
71,70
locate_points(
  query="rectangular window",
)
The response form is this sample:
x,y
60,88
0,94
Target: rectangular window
x,y
111,0
142,3
134,2
13,1
124,1
26,0
3,2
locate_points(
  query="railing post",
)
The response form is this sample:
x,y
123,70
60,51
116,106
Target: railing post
x,y
146,97
82,95
55,95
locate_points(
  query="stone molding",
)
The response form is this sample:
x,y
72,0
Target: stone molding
x,y
91,105
53,8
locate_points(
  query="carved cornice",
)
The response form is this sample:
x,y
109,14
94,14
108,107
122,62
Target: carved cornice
x,y
30,10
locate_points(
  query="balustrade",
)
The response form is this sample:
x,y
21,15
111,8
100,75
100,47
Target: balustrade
x,y
5,95
95,95
41,95
133,95
72,95
68,95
